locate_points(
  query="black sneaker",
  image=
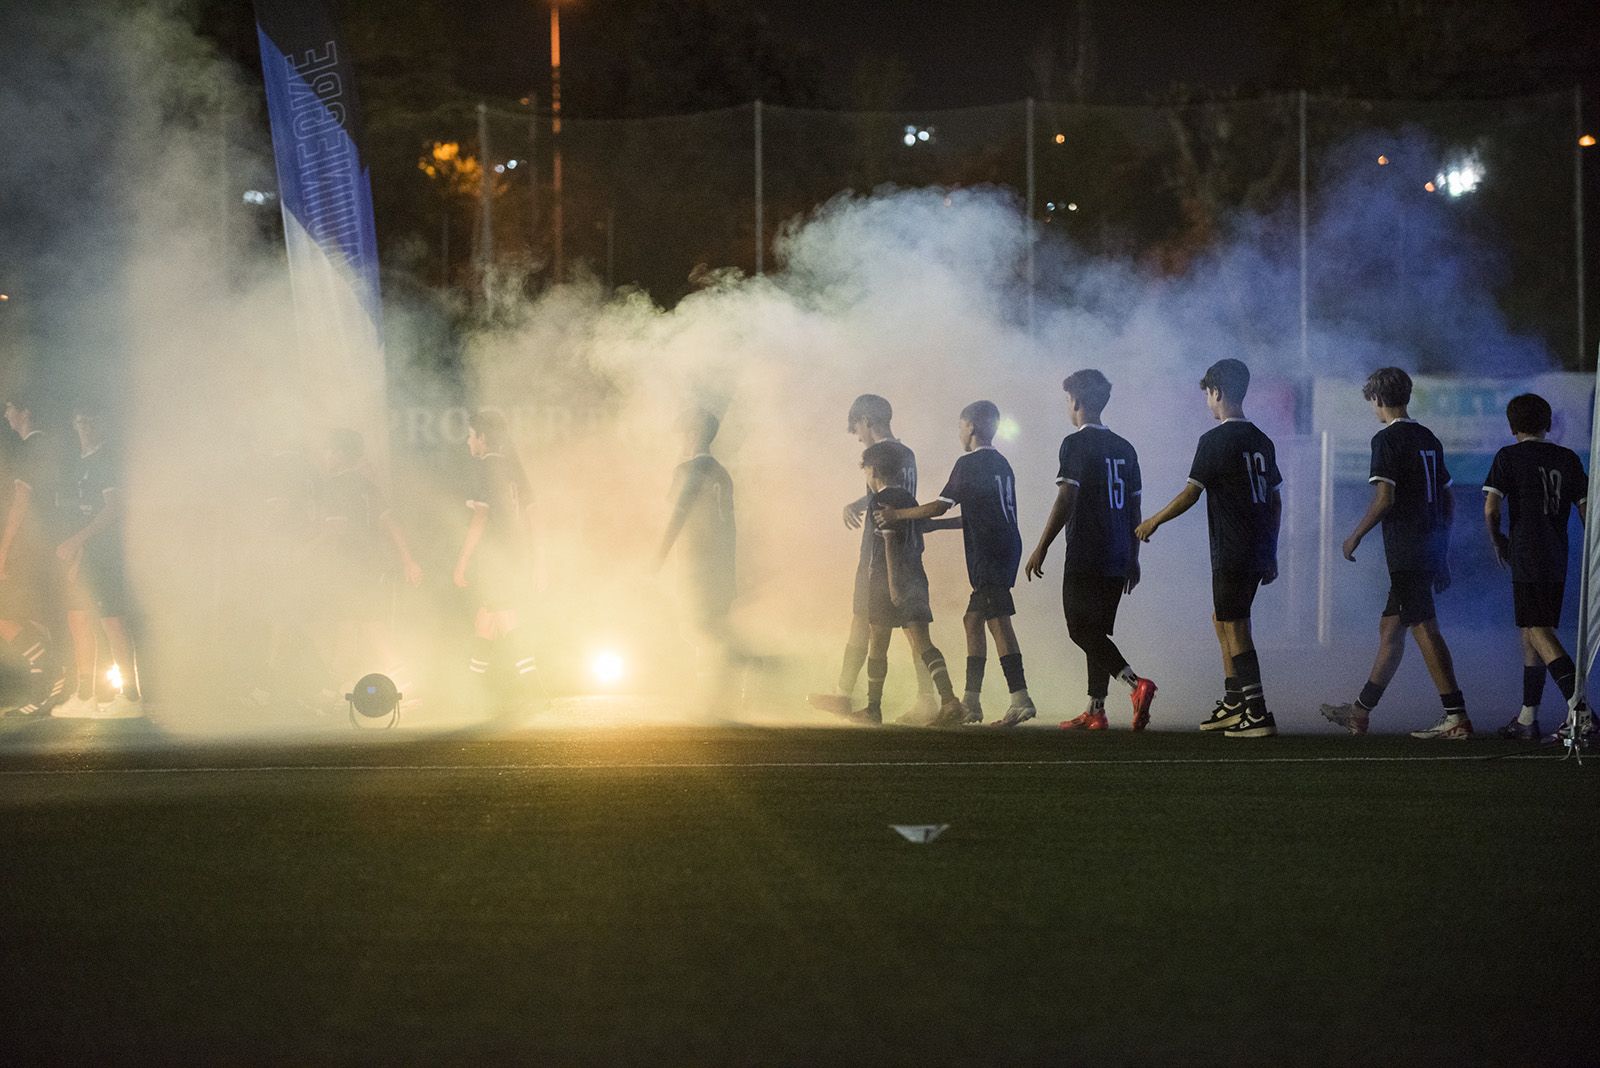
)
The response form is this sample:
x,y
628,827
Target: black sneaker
x,y
1222,717
870,716
1253,723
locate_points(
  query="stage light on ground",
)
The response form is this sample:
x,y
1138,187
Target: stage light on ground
x,y
374,697
607,667
114,677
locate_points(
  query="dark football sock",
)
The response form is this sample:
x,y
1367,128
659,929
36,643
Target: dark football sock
x,y
850,670
1247,670
1454,703
1533,684
482,652
1230,692
1371,694
1566,675
526,667
877,671
938,672
975,666
1011,664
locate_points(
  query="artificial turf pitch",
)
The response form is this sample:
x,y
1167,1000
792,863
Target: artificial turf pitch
x,y
712,896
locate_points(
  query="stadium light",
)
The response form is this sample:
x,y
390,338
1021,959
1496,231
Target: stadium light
x,y
607,667
1586,141
258,197
1461,178
374,697
917,134
1061,138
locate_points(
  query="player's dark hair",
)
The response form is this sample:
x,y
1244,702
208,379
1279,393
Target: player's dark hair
x,y
346,444
704,426
22,400
872,409
1389,386
984,417
886,461
491,426
1090,388
1229,377
1528,413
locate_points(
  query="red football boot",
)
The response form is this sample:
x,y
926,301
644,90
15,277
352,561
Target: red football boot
x,y
1143,696
1093,719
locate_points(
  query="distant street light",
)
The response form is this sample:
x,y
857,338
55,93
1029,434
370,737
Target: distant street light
x,y
1586,141
916,134
1061,138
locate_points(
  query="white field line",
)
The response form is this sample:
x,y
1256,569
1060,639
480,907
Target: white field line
x,y
757,764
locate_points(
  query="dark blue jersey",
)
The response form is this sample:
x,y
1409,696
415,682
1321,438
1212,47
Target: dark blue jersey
x,y
1541,483
896,560
908,482
1099,533
1237,467
703,513
982,485
1416,532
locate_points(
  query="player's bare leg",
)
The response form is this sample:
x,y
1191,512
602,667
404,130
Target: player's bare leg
x,y
1454,724
80,700
1354,717
1233,639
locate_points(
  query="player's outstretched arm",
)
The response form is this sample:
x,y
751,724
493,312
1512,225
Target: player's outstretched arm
x,y
1382,501
854,511
1185,500
931,510
1060,512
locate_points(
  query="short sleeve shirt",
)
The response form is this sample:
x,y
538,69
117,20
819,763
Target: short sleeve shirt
x,y
903,542
502,486
1408,456
1105,469
983,486
908,479
1541,483
1237,467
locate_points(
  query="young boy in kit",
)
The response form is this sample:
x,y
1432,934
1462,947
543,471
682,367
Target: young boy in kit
x,y
1236,467
897,590
869,419
1097,505
982,485
1541,482
1411,498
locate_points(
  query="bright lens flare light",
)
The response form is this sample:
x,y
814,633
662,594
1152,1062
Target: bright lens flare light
x,y
607,667
114,677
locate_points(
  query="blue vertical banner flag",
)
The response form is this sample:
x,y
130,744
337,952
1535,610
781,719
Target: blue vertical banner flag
x,y
326,195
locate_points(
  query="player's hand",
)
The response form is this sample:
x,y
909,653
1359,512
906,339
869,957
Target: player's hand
x,y
1144,531
885,516
1350,545
1035,567
412,571
1441,579
460,576
1502,549
1134,575
852,516
1270,575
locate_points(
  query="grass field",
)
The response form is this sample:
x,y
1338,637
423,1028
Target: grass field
x,y
710,896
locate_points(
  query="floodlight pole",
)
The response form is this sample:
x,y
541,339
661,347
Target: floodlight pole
x,y
485,200
1029,235
761,234
1305,258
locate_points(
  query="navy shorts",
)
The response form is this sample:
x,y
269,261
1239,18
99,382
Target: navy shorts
x,y
1232,594
1538,604
991,602
1410,597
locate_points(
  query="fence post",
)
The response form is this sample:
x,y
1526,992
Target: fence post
x,y
761,236
1030,232
1325,544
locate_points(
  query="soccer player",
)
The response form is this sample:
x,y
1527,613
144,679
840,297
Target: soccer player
x,y
1097,504
494,557
1236,467
359,533
897,589
1411,498
97,589
870,419
982,485
1541,482
30,576
702,525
